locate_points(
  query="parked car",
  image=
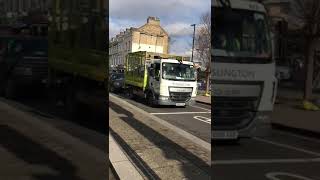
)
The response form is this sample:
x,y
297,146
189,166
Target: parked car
x,y
116,81
283,72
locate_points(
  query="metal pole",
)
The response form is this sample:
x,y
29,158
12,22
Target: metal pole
x,y
194,30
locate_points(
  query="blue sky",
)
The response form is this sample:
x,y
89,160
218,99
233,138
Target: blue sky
x,y
176,16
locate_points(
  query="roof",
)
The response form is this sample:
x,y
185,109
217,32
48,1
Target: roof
x,y
146,28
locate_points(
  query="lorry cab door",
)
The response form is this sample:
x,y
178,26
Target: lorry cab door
x,y
157,77
154,82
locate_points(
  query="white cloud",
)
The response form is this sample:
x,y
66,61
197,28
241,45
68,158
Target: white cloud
x,y
176,16
181,46
179,29
176,9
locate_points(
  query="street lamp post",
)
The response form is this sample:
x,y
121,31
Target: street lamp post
x,y
194,30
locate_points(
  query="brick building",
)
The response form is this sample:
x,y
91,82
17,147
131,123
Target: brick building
x,y
150,37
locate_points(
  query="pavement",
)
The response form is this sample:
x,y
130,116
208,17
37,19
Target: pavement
x,y
203,99
288,113
39,146
156,148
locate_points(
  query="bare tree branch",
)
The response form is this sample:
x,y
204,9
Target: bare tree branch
x,y
308,12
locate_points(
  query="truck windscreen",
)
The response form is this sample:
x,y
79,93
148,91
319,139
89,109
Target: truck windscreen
x,y
178,72
240,34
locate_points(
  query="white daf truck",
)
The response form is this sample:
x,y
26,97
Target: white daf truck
x,y
162,79
243,69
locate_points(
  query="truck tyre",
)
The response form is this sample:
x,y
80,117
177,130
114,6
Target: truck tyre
x,y
2,88
111,89
71,103
150,99
10,89
129,93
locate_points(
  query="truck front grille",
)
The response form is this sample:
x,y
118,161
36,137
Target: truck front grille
x,y
233,112
39,66
180,96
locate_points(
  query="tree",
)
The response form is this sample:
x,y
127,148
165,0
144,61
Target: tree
x,y
307,13
203,45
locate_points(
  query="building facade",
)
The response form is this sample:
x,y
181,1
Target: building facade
x,y
150,37
78,23
17,8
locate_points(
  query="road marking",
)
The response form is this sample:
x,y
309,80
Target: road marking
x,y
265,161
287,146
298,136
201,108
273,175
203,119
180,113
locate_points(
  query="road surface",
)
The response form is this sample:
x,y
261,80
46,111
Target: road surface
x,y
195,119
281,156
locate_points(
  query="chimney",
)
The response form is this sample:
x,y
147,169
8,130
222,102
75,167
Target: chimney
x,y
153,20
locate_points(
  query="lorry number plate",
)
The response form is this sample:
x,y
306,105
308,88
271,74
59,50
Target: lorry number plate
x,y
224,134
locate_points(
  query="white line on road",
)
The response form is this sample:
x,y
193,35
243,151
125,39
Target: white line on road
x,y
274,176
287,146
201,108
180,113
203,119
298,136
265,161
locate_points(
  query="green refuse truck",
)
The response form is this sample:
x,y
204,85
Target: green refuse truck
x,y
162,79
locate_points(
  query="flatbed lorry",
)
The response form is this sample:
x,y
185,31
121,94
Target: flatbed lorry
x,y
162,79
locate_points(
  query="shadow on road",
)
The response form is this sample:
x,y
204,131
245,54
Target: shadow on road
x,y
36,154
158,140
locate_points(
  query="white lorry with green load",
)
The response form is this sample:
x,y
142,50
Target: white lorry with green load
x,y
162,79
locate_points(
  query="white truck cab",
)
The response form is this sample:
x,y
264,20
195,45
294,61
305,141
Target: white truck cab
x,y
244,82
170,82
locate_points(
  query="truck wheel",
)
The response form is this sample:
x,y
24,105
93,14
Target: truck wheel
x,y
71,103
129,93
9,89
111,89
150,99
2,88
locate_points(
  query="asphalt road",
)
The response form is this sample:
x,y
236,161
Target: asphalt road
x,y
194,119
280,156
